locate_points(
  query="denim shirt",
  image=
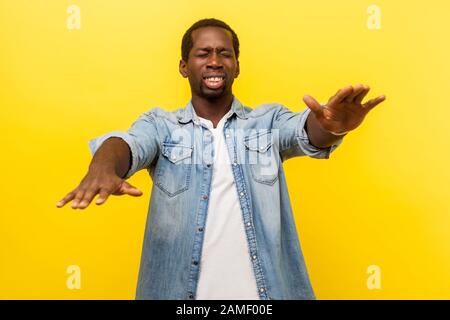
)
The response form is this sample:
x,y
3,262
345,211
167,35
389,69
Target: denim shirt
x,y
177,151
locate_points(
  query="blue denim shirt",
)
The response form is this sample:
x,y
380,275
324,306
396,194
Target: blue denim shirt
x,y
177,151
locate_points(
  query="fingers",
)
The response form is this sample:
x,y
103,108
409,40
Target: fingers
x,y
127,188
87,198
81,198
103,196
102,183
357,90
78,197
312,104
359,98
69,197
374,102
355,94
341,95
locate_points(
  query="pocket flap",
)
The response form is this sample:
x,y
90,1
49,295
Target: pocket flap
x,y
176,152
261,141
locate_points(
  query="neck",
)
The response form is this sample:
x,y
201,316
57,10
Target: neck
x,y
213,110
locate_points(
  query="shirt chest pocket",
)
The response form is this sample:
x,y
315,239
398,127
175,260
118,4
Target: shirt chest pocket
x,y
262,157
174,168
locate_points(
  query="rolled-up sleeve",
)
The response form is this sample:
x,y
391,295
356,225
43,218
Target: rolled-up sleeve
x,y
293,138
142,139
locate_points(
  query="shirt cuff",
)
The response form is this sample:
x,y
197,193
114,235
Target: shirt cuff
x,y
306,146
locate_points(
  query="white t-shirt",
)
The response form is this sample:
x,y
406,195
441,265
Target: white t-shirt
x,y
226,270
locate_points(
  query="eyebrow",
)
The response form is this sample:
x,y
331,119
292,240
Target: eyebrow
x,y
209,49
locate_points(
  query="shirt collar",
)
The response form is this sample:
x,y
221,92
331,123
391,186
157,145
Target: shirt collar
x,y
209,123
188,113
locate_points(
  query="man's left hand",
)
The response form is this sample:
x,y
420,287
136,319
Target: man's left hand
x,y
345,110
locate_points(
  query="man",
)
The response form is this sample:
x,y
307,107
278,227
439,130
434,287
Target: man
x,y
220,223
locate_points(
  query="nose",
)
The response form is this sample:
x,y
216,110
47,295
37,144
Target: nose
x,y
214,61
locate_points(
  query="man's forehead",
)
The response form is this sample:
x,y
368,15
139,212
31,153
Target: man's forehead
x,y
209,37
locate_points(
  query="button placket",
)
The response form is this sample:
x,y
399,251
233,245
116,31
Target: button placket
x,y
247,215
200,227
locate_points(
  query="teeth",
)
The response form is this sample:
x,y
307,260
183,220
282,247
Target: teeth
x,y
214,78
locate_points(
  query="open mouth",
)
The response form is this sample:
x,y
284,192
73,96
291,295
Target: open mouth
x,y
214,82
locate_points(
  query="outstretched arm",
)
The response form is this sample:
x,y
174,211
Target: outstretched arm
x,y
117,156
343,112
105,176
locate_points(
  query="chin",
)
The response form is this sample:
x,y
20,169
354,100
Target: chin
x,y
213,94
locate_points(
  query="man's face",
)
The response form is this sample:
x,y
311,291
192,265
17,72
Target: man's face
x,y
212,65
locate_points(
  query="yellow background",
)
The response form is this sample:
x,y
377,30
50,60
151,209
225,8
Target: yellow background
x,y
382,199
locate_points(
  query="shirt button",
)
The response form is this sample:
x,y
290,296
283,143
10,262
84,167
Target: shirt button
x,y
205,197
227,135
241,194
262,289
200,229
235,164
173,157
248,224
195,263
208,165
191,296
254,257
261,148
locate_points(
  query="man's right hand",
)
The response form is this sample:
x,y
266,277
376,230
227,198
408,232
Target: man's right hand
x,y
98,182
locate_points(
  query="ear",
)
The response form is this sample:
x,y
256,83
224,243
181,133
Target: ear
x,y
238,70
183,68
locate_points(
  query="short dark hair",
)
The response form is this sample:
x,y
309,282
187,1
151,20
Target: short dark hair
x,y
187,44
